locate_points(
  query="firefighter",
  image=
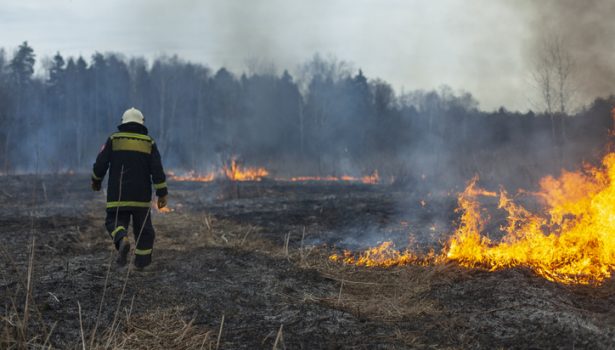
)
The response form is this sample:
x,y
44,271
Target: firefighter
x,y
134,164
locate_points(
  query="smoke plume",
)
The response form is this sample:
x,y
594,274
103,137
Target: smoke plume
x,y
586,30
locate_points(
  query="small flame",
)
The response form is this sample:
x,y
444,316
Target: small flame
x,y
372,179
164,210
383,255
235,172
314,178
193,176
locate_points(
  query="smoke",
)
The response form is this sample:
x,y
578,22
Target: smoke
x,y
586,30
235,35
500,46
485,47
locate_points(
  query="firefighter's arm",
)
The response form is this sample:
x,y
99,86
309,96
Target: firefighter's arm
x,y
158,176
101,165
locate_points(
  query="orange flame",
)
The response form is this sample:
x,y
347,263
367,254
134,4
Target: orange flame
x,y
383,255
372,179
570,241
164,210
193,176
313,178
235,172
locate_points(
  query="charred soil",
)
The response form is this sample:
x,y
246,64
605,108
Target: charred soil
x,y
245,266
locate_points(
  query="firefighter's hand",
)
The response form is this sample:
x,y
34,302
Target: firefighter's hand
x,y
162,202
96,185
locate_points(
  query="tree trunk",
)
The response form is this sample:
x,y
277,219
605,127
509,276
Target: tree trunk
x,y
301,131
6,151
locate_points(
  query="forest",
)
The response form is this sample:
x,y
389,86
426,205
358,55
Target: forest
x,y
327,118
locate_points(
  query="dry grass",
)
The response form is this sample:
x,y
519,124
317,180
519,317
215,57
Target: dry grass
x,y
22,325
397,295
392,295
206,231
158,329
380,294
18,329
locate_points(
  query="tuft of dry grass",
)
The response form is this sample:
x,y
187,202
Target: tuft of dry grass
x,y
158,329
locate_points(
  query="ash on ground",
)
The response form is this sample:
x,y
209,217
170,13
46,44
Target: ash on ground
x,y
245,266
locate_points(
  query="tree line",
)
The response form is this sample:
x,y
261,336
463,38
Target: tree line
x,y
327,119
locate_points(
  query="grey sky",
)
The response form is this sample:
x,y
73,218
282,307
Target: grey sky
x,y
474,45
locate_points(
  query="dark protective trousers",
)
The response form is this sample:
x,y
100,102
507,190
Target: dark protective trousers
x,y
117,223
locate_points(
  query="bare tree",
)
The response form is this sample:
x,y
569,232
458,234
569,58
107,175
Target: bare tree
x,y
552,73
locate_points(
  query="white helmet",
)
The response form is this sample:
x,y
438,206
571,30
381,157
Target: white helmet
x,y
133,115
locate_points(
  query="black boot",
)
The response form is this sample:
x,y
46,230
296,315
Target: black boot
x,y
122,252
142,261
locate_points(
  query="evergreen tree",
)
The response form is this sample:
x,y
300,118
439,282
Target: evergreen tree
x,y
22,65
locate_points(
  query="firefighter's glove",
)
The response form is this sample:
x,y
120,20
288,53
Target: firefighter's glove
x,y
96,185
162,202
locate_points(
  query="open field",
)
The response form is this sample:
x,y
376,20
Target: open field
x,y
245,266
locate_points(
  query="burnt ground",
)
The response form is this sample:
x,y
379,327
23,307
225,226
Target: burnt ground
x,y
222,256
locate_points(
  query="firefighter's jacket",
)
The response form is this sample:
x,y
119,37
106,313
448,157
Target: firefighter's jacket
x,y
134,164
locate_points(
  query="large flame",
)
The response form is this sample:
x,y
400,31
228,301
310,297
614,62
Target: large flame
x,y
571,241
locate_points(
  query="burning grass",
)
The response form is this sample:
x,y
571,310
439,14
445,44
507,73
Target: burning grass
x,y
372,179
192,176
236,172
233,172
569,241
383,255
